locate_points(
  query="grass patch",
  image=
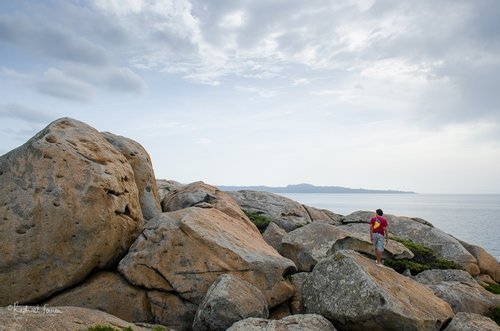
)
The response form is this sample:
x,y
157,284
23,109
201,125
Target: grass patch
x,y
417,249
107,328
259,220
424,259
403,264
493,288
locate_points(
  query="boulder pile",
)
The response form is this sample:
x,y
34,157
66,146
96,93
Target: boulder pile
x,y
90,237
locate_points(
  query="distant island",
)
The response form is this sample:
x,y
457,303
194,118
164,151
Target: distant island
x,y
308,188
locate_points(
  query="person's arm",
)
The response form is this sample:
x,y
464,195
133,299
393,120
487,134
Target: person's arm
x,y
371,231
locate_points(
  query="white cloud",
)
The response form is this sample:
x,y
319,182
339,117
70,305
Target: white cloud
x,y
275,76
56,83
265,93
233,20
26,114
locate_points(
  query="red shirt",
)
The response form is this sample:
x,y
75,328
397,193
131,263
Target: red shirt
x,y
378,224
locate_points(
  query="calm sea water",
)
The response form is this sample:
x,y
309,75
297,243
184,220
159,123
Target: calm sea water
x,y
471,218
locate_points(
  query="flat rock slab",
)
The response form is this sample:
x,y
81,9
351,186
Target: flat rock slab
x,y
58,318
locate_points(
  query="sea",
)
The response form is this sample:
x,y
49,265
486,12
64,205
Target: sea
x,y
472,218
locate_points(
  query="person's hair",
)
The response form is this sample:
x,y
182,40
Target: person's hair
x,y
380,212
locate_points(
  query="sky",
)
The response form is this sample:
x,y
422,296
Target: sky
x,y
387,94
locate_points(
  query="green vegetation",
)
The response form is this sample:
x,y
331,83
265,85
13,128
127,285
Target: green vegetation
x,y
424,259
493,288
403,264
158,328
496,315
107,328
259,220
419,249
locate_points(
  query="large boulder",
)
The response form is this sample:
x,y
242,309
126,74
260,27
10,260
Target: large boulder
x,y
144,174
355,294
186,250
460,290
24,318
471,322
228,300
441,243
167,186
201,194
69,205
305,322
486,262
286,213
109,292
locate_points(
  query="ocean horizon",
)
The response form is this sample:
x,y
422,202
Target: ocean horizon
x,y
473,218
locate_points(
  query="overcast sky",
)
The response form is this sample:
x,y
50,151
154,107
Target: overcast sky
x,y
374,94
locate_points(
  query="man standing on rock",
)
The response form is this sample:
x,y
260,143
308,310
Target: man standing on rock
x,y
379,234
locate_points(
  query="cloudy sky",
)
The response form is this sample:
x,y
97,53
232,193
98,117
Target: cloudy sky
x,y
383,94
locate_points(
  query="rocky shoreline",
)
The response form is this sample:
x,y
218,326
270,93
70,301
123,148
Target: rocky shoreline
x,y
91,238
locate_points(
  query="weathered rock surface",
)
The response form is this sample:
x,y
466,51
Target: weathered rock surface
x,y
359,216
144,174
297,301
108,292
323,215
171,310
355,294
486,262
166,186
438,276
228,300
64,192
273,235
471,322
460,290
286,213
40,318
205,196
365,216
307,245
361,243
305,322
186,250
442,244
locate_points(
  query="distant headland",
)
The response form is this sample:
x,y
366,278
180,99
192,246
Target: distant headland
x,y
309,188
